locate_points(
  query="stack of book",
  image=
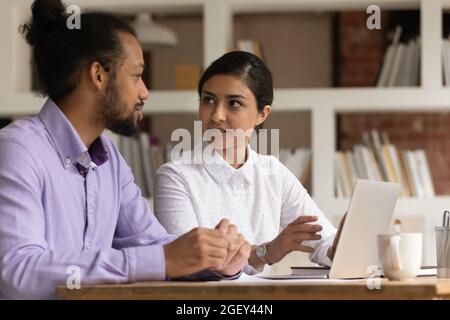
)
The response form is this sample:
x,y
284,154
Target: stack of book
x,y
378,159
298,162
401,63
144,155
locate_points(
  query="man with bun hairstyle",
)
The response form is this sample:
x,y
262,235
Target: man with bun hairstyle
x,y
68,202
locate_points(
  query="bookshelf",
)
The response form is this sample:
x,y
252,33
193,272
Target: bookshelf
x,y
321,104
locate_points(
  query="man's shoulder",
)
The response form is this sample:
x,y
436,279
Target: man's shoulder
x,y
27,132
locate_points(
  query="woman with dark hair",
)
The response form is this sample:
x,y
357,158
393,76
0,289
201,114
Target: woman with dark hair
x,y
256,192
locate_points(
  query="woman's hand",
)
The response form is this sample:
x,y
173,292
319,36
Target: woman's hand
x,y
291,238
332,250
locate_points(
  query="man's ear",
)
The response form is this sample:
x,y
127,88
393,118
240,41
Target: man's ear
x,y
98,75
262,115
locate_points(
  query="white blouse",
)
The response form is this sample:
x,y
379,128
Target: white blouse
x,y
260,198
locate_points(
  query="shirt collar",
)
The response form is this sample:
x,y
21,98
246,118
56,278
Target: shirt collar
x,y
222,171
68,143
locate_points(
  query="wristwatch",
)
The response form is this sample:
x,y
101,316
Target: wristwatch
x,y
261,253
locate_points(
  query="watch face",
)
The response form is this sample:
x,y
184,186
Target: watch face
x,y
260,251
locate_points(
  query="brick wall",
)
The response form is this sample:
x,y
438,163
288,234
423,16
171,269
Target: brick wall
x,y
360,51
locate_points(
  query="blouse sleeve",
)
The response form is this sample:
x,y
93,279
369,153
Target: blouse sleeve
x,y
296,202
172,203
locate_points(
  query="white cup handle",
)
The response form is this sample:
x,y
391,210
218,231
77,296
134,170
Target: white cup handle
x,y
394,247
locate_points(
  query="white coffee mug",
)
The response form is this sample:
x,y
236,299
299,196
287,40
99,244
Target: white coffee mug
x,y
400,255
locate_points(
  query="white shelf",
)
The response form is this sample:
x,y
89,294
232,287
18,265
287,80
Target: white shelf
x,y
129,6
445,4
340,100
172,101
20,104
363,99
159,102
243,5
317,5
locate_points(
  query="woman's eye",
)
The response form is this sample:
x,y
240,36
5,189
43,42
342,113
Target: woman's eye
x,y
208,100
235,103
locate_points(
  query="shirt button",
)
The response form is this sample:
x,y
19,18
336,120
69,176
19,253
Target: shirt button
x,y
86,161
68,160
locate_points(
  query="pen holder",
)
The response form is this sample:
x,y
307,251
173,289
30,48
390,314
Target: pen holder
x,y
443,251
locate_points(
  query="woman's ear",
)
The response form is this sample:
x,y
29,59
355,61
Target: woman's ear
x,y
263,114
98,76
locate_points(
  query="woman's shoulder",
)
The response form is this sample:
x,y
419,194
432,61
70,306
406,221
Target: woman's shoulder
x,y
266,162
183,165
270,164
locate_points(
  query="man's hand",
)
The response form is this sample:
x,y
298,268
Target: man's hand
x,y
196,250
332,250
290,239
238,249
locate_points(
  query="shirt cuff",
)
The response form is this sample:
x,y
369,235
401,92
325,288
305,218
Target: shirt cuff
x,y
146,263
233,277
207,275
320,255
214,275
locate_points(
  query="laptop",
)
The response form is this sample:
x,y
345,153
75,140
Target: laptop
x,y
369,213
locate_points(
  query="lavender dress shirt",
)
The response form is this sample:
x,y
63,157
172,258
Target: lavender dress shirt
x,y
64,208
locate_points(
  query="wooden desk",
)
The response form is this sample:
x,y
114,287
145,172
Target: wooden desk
x,y
420,288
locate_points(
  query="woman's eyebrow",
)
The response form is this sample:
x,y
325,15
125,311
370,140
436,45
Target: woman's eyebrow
x,y
234,96
229,96
208,93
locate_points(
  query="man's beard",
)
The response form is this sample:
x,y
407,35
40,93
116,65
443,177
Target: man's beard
x,y
113,110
